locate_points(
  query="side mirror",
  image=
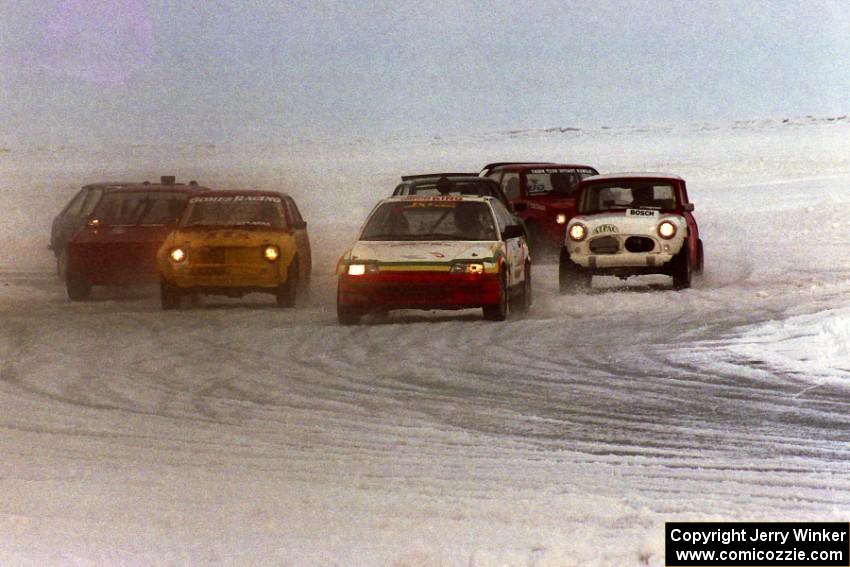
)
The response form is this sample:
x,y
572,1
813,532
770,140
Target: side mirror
x,y
689,207
513,231
300,225
520,207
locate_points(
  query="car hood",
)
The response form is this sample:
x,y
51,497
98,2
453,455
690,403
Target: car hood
x,y
224,237
422,252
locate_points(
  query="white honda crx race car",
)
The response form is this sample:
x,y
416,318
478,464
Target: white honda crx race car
x,y
436,252
631,224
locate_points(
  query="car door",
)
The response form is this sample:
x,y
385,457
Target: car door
x,y
68,221
302,240
693,230
516,250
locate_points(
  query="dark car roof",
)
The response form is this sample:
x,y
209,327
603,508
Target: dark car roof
x,y
632,176
250,192
535,165
110,186
425,176
464,179
155,188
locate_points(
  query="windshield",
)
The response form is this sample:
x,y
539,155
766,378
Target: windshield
x,y
431,220
561,181
634,194
140,208
234,211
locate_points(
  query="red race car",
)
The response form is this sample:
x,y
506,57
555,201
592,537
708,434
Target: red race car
x,y
543,195
120,239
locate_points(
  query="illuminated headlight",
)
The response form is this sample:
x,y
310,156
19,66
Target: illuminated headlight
x,y
667,230
578,232
465,268
561,218
271,253
177,255
361,269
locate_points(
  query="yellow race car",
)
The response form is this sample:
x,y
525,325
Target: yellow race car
x,y
235,242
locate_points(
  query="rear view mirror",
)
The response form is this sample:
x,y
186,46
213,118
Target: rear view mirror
x,y
299,225
688,207
513,231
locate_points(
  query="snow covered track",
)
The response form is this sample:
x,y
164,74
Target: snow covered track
x,y
236,432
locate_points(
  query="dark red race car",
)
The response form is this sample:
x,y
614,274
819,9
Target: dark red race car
x,y
120,238
543,195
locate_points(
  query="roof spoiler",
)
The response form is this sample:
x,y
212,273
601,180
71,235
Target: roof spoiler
x,y
426,175
500,163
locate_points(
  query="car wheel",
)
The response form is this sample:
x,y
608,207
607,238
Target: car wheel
x,y
571,276
62,264
288,292
498,311
525,294
169,295
77,286
347,314
681,269
700,256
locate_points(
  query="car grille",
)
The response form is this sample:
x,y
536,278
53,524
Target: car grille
x,y
605,245
223,255
639,244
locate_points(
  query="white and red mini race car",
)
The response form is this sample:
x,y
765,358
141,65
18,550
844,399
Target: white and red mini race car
x,y
436,252
631,224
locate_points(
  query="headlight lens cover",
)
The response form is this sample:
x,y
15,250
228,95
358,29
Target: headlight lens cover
x,y
177,255
578,232
467,268
271,253
666,230
362,269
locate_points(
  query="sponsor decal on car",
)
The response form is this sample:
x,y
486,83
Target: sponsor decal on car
x,y
642,213
605,228
234,199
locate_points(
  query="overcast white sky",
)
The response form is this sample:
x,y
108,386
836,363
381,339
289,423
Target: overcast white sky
x,y
85,71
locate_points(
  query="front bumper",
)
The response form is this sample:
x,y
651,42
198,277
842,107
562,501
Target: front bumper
x,y
618,255
251,276
419,290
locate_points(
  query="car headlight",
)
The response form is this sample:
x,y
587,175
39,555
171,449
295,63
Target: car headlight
x,y
177,255
467,268
361,269
666,230
271,253
578,232
561,218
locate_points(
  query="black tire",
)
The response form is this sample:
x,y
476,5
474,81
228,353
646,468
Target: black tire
x,y
536,241
571,276
701,257
62,264
498,311
77,286
524,303
169,295
347,314
681,268
287,293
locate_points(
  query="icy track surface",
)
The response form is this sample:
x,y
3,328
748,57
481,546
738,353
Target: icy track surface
x,y
239,434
